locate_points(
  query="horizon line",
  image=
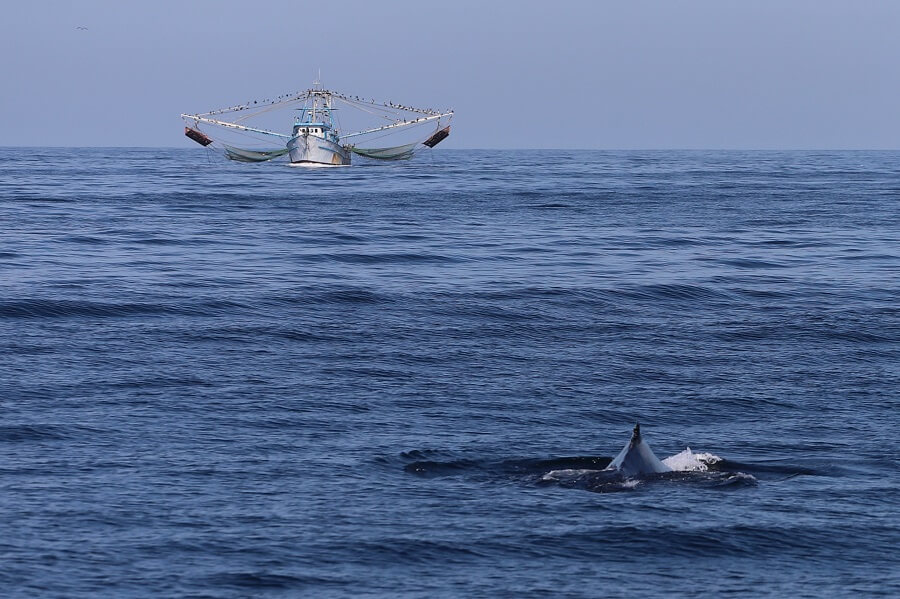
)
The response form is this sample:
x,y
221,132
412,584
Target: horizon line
x,y
488,149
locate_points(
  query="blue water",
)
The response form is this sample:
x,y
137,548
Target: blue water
x,y
231,380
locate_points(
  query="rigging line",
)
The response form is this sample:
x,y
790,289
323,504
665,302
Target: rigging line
x,y
396,112
389,109
355,104
258,112
278,100
394,118
265,109
340,127
365,109
266,142
395,125
389,105
261,112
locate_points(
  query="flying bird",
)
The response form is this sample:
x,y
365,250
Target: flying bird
x,y
82,28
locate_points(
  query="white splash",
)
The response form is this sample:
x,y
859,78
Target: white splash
x,y
688,461
313,165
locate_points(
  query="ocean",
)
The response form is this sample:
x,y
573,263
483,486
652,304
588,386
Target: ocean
x,y
225,380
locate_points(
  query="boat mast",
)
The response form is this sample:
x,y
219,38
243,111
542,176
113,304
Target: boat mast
x,y
317,89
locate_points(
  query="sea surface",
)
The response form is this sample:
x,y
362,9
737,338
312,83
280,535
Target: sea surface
x,y
402,380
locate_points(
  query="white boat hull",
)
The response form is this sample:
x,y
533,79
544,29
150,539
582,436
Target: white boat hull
x,y
310,149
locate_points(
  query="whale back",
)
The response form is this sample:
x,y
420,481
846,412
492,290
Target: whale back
x,y
637,458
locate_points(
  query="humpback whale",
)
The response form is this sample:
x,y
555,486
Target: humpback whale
x,y
637,458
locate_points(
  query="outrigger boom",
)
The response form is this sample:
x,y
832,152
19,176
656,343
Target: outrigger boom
x,y
200,119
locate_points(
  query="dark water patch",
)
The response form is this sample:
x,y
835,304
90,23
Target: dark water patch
x,y
331,295
174,242
671,292
765,470
327,237
370,373
734,540
548,206
485,312
26,349
267,581
47,308
857,336
232,335
412,551
536,466
518,293
532,301
42,432
874,257
85,240
671,241
812,331
431,469
785,243
39,199
307,336
162,381
426,463
751,263
767,294
530,250
382,258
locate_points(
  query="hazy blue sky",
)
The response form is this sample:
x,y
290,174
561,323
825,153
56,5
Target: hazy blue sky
x,y
520,74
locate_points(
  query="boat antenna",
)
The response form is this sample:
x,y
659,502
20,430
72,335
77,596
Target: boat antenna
x,y
318,81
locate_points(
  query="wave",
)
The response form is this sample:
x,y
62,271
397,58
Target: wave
x,y
380,258
41,432
270,581
606,295
751,263
330,295
46,308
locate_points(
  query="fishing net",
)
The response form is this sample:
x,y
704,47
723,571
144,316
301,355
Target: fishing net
x,y
243,155
396,153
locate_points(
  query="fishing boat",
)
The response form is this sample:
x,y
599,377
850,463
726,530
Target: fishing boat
x,y
247,132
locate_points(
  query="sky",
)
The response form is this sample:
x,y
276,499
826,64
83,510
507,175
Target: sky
x,y
631,74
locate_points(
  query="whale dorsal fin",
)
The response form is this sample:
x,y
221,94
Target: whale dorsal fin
x,y
637,457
